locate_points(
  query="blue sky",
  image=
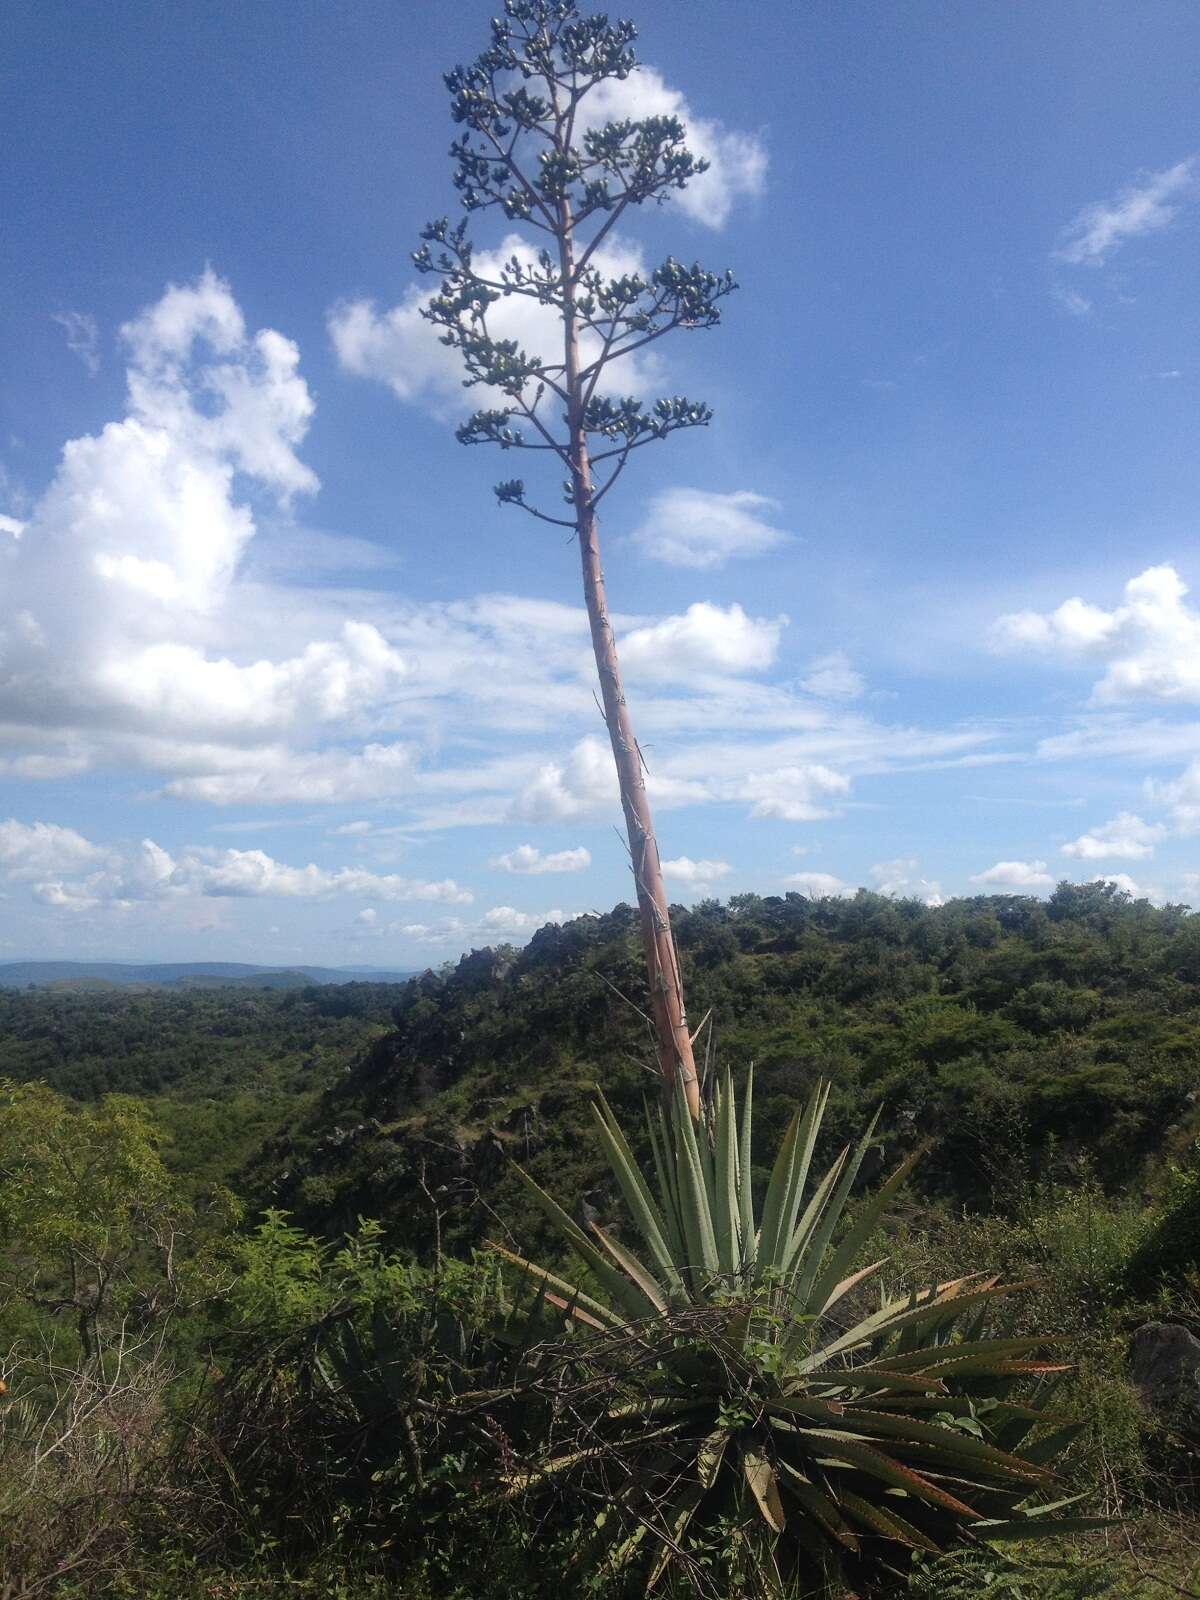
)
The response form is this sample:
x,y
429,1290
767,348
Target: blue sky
x,y
278,681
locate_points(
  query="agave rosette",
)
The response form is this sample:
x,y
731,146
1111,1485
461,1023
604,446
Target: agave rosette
x,y
730,1371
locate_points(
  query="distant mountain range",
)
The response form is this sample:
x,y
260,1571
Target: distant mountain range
x,y
181,975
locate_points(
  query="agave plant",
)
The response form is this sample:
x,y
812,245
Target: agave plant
x,y
740,1381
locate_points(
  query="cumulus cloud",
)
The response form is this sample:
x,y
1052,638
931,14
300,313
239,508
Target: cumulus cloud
x,y
1147,205
40,849
528,859
793,794
83,337
1181,797
119,597
701,529
698,874
1126,836
818,885
1150,645
253,873
68,872
832,677
1015,875
584,786
507,919
737,161
402,349
705,639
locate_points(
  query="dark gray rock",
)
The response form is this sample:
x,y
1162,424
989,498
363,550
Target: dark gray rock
x,y
1164,1364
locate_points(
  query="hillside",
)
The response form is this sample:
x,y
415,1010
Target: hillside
x,y
1024,1040
1044,1051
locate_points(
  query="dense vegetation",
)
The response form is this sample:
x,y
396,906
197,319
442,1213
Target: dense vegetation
x,y
209,1397
223,1065
1030,1041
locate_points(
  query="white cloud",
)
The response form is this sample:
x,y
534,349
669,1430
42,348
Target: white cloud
x,y
1126,836
402,349
10,526
1145,206
367,917
71,873
1015,875
701,529
1181,796
793,794
37,849
737,161
1150,644
528,859
699,874
274,775
832,677
901,878
705,639
83,337
585,787
350,829
818,885
150,639
507,919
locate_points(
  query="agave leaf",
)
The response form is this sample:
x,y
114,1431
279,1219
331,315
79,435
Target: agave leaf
x,y
764,1486
889,1322
710,1455
1053,1444
728,1212
818,1505
946,1447
885,1521
808,1406
860,1231
794,1248
645,1212
955,1451
849,1283
788,1178
665,1406
808,1265
942,1357
630,1265
1030,1528
872,1377
693,1198
626,1293
845,1449
745,1195
576,1303
664,1169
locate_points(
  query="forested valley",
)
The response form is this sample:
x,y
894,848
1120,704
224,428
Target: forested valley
x,y
246,1263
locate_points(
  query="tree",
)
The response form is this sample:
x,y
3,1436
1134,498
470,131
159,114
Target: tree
x,y
91,1221
530,150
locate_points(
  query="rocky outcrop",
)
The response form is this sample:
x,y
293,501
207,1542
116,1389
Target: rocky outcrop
x,y
1164,1361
